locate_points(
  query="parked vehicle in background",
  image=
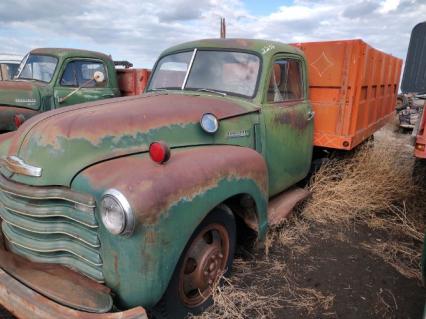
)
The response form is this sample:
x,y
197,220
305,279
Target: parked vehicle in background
x,y
409,110
140,202
48,79
414,82
9,65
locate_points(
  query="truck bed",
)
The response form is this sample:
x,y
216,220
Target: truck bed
x,y
353,89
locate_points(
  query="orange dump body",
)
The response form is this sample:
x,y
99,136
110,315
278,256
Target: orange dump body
x,y
353,90
132,81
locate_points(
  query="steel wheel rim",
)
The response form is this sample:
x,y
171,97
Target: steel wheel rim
x,y
204,262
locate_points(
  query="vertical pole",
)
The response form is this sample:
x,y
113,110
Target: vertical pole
x,y
222,28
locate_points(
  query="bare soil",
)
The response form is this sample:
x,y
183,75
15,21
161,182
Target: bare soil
x,y
335,264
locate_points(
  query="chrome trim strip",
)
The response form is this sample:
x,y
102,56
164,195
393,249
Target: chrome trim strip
x,y
45,192
50,215
18,166
50,233
52,251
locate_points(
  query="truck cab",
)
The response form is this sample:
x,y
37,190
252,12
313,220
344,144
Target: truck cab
x,y
46,80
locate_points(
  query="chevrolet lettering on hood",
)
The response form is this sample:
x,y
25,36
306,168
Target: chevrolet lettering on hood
x,y
28,101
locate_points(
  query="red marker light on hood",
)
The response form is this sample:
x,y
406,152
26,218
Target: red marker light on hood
x,y
159,152
18,119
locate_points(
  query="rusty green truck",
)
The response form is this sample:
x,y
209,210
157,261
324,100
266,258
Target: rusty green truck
x,y
116,207
51,78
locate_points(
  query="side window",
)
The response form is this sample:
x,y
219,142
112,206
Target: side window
x,y
81,73
286,81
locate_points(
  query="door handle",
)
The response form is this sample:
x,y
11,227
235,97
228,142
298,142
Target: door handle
x,y
108,95
311,115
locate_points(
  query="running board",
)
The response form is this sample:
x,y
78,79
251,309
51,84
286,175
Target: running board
x,y
281,205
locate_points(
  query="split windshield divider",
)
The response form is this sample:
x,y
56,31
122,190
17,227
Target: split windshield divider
x,y
189,69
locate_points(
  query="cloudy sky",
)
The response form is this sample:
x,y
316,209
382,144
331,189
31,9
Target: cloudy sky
x,y
138,30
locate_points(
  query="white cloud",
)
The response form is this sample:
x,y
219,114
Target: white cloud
x,y
389,5
138,31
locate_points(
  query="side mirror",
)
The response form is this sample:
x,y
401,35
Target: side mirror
x,y
99,76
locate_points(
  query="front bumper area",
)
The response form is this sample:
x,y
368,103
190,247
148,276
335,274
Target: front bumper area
x,y
24,303
42,291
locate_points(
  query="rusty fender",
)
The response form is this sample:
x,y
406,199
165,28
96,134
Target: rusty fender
x,y
169,201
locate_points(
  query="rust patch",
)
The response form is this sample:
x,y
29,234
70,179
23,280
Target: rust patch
x,y
188,173
296,120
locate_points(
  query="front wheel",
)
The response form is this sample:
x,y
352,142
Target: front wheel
x,y
207,256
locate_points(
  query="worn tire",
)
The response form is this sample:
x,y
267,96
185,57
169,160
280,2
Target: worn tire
x,y
172,305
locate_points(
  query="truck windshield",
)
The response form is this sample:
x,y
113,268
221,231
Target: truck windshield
x,y
37,67
224,72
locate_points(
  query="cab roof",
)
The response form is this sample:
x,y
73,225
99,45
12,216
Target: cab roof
x,y
68,53
262,47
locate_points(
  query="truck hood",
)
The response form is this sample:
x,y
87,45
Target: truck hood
x,y
64,142
19,93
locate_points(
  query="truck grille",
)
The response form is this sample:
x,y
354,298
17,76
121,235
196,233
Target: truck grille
x,y
51,225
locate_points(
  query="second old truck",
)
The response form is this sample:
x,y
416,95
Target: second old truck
x,y
51,78
114,207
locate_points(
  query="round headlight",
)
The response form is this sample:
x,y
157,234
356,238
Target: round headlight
x,y
116,213
209,123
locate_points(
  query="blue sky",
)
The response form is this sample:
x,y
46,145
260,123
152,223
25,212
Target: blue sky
x,y
259,7
138,31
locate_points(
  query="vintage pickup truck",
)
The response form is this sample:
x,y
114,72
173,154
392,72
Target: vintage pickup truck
x,y
52,78
113,207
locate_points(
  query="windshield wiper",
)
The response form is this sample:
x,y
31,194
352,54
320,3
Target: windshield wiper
x,y
212,91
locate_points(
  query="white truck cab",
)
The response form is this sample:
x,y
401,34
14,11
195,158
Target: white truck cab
x,y
9,64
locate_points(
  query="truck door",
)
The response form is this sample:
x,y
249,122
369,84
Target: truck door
x,y
79,74
288,121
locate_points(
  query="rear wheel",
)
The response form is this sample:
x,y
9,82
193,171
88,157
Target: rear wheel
x,y
207,256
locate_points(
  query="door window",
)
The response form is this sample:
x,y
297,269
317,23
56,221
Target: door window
x,y
81,73
286,81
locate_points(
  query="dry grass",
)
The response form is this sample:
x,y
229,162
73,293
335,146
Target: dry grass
x,y
375,187
247,293
404,257
291,233
373,180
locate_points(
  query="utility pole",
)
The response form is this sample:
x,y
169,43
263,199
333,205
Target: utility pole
x,y
222,28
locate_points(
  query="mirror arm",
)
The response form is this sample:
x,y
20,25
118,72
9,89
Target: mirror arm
x,y
63,99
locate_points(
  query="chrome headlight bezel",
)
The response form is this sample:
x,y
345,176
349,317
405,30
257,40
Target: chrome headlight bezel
x,y
128,218
209,123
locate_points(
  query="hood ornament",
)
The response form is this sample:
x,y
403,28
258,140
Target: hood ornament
x,y
16,165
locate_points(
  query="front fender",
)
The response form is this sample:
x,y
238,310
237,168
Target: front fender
x,y
169,202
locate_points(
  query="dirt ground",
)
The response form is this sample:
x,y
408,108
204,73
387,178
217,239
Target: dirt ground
x,y
331,270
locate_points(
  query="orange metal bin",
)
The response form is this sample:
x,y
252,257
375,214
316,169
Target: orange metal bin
x,y
132,81
353,90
